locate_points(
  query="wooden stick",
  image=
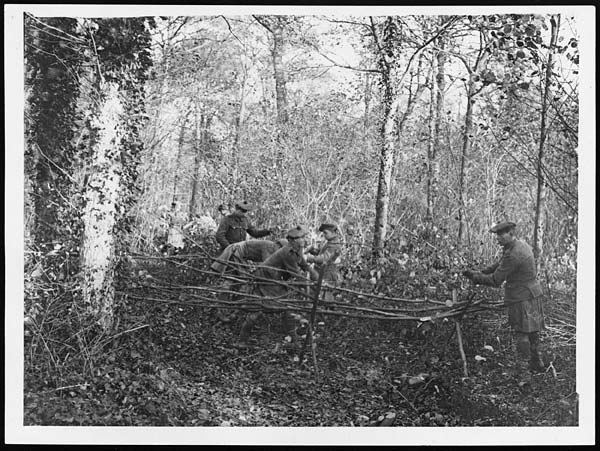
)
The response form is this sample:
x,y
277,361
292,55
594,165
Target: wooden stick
x,y
460,348
459,338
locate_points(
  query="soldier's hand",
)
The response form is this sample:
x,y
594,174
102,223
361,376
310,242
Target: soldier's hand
x,y
468,274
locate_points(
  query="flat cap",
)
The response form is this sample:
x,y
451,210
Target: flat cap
x,y
328,226
244,205
297,232
503,227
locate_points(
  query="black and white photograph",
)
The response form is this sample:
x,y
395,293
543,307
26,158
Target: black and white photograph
x,y
299,225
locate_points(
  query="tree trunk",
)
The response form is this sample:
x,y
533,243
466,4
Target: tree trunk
x,y
201,144
276,25
433,166
431,150
539,222
382,201
197,149
100,213
178,157
367,100
239,124
279,72
466,147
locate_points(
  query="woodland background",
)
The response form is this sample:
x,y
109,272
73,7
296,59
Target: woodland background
x,y
414,133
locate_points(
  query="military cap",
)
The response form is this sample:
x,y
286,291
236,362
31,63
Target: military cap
x,y
244,205
503,227
296,232
327,226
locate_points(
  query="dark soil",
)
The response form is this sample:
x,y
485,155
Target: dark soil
x,y
179,368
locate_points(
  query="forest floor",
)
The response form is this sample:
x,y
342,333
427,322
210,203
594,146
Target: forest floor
x,y
177,367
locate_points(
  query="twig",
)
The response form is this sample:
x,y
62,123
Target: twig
x,y
459,337
460,348
130,330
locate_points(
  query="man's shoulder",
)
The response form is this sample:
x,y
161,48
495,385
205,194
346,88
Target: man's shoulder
x,y
521,249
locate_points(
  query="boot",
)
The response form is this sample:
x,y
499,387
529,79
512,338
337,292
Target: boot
x,y
536,364
521,373
522,357
242,341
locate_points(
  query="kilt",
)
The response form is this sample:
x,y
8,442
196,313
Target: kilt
x,y
526,315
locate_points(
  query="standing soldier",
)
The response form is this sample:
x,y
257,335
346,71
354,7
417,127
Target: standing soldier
x,y
523,296
283,265
327,257
233,228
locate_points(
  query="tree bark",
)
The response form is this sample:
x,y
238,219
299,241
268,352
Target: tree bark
x,y
390,104
279,73
539,221
433,166
239,125
178,157
100,213
276,25
466,147
367,100
201,144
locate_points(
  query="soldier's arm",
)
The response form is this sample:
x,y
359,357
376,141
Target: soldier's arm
x,y
255,233
220,234
491,268
503,269
328,256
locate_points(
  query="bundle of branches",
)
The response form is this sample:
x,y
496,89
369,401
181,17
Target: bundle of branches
x,y
222,292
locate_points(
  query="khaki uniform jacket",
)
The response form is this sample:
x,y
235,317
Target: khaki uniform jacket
x,y
326,257
233,229
522,292
281,265
253,250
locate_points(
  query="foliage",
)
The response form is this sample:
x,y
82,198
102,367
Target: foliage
x,y
206,118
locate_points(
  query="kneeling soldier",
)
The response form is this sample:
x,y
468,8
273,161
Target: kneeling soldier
x,y
232,263
283,265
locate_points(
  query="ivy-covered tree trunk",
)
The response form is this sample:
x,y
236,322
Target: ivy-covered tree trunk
x,y
100,214
117,111
51,66
540,204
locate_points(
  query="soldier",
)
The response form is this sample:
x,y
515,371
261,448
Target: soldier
x,y
327,257
237,254
251,250
523,296
284,264
233,228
